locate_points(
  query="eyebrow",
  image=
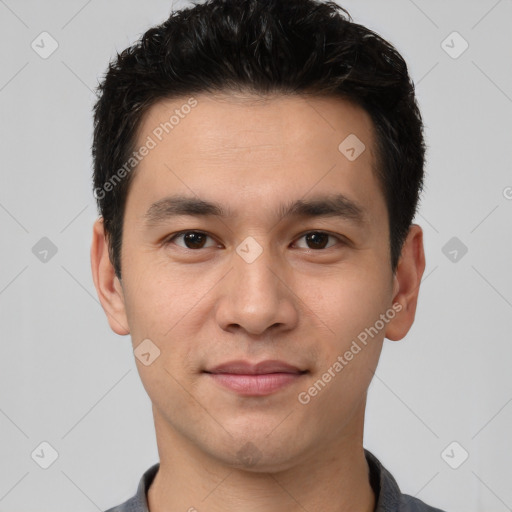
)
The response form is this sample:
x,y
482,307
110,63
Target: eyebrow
x,y
336,205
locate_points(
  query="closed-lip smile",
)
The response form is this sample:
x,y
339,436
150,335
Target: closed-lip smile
x,y
255,379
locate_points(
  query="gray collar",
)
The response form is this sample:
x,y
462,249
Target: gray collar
x,y
388,495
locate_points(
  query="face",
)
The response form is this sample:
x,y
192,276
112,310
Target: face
x,y
265,310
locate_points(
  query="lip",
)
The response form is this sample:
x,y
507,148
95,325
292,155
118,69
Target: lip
x,y
241,367
260,379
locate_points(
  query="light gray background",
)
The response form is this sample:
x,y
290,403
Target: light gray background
x,y
66,379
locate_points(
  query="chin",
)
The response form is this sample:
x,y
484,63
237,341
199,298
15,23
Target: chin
x,y
259,454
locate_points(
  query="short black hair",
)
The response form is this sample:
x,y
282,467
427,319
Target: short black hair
x,y
304,47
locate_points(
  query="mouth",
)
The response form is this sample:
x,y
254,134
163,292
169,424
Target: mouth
x,y
260,379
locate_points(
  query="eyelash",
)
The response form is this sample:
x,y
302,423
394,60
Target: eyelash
x,y
171,239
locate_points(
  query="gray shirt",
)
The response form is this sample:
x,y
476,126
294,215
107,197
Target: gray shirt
x,y
387,493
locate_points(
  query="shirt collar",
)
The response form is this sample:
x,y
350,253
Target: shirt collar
x,y
387,492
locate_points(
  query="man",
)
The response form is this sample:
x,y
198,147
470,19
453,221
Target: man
x,y
257,166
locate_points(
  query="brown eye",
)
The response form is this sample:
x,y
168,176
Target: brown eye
x,y
191,239
318,239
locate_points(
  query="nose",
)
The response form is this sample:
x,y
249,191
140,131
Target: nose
x,y
257,296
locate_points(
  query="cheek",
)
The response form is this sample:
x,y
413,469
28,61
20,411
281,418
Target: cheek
x,y
168,309
349,351
155,297
349,301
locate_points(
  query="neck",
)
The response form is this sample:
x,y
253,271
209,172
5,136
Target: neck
x,y
335,479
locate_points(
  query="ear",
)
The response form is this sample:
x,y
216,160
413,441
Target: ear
x,y
108,286
406,285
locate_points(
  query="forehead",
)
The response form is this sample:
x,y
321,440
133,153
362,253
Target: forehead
x,y
241,149
232,119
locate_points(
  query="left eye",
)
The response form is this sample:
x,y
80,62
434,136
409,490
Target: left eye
x,y
318,239
196,239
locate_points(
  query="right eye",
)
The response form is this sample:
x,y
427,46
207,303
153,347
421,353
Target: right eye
x,y
192,239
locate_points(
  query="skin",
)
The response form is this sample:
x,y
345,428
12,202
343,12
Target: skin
x,y
296,303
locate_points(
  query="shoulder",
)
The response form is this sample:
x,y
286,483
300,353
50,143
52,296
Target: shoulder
x,y
138,502
128,506
387,492
410,504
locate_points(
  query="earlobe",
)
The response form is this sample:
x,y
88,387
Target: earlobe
x,y
406,284
108,286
